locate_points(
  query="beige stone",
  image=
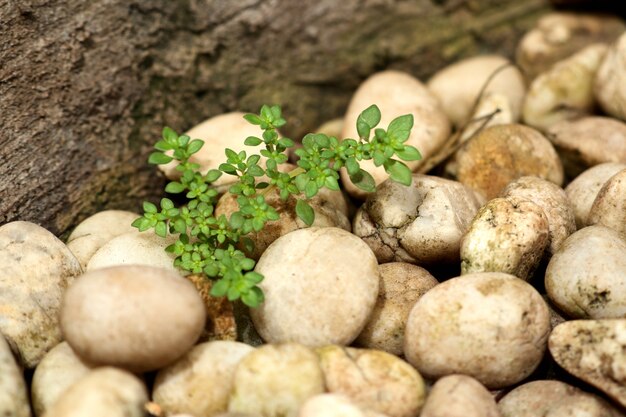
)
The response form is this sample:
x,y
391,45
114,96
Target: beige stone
x,y
136,317
36,269
276,380
320,287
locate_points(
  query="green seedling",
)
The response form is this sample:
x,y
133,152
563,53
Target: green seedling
x,y
212,244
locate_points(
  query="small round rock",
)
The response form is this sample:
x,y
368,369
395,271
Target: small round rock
x,y
583,190
201,381
553,399
609,207
507,235
103,392
320,287
276,380
136,317
459,396
503,153
13,392
93,232
134,248
491,326
56,372
373,380
401,285
587,142
36,269
554,202
586,278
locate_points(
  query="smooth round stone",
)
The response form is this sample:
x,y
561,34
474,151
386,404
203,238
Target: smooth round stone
x,y
554,203
609,207
373,380
586,278
134,249
593,351
320,287
458,86
13,393
276,380
565,91
501,154
136,317
401,285
36,269
610,81
491,326
588,141
507,235
103,392
583,190
459,396
201,381
56,372
421,224
96,230
330,405
553,399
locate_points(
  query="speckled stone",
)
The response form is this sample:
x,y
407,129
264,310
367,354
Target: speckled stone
x,y
276,380
593,350
13,394
36,269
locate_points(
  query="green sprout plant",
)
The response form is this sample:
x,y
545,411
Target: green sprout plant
x,y
212,244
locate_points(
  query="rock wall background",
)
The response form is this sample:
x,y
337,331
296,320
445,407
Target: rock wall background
x,y
87,85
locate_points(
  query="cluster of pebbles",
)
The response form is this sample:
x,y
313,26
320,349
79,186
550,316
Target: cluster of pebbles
x,y
362,315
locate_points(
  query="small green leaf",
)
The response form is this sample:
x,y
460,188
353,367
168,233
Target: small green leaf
x,y
379,158
180,226
250,299
236,220
363,129
228,169
174,187
169,135
286,142
148,207
352,166
194,146
400,128
409,153
301,181
231,155
183,140
253,119
256,171
364,180
213,175
220,288
162,146
161,229
311,189
252,141
331,183
367,120
266,113
305,212
399,172
159,158
167,204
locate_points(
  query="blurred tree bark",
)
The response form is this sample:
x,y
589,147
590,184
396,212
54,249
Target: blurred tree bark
x,y
86,85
